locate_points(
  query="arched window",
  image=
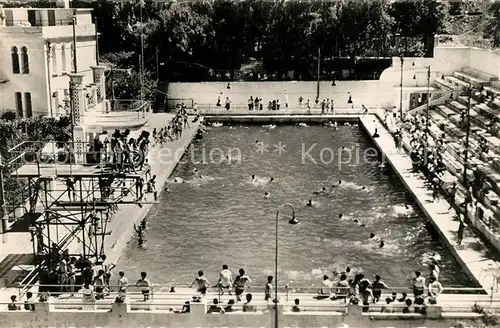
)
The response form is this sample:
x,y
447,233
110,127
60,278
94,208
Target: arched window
x,y
63,58
15,60
25,65
53,52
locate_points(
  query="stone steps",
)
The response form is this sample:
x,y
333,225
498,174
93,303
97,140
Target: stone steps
x,y
480,75
456,82
470,79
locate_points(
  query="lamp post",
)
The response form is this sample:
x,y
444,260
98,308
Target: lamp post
x,y
427,109
401,58
292,221
467,135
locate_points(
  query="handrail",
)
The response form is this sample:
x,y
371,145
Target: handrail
x,y
439,101
285,287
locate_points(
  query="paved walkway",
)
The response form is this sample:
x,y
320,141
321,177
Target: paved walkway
x,y
472,253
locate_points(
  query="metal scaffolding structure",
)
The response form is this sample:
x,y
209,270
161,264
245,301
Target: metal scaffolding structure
x,y
70,205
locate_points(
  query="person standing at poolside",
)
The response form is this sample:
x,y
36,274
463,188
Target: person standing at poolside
x,y
269,289
460,232
225,279
240,283
418,284
145,285
201,283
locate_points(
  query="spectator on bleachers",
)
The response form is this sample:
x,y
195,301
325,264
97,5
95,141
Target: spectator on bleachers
x,y
419,306
29,303
407,308
13,304
248,306
328,284
296,307
215,307
388,308
229,306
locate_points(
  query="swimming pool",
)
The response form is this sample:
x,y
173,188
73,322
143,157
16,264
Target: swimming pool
x,y
224,218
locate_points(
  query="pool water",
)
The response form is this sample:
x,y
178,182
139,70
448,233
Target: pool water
x,y
223,217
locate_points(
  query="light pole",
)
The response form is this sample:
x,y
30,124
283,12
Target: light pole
x,y
427,110
401,58
467,135
292,221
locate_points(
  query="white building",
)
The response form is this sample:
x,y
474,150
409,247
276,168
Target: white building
x,y
36,55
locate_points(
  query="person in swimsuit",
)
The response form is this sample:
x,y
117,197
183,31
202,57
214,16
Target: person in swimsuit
x,y
240,284
145,286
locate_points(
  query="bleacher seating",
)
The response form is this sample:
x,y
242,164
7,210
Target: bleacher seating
x,y
446,123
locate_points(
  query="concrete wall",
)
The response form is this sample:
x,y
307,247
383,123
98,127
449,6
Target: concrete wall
x,y
369,93
485,60
120,317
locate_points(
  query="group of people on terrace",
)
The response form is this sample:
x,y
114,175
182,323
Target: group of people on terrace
x,y
121,150
174,129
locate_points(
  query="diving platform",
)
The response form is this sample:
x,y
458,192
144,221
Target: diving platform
x,y
71,170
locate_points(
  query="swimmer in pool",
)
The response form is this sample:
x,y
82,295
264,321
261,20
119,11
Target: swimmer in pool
x,y
166,189
271,180
195,170
382,244
200,176
267,195
372,235
363,188
321,191
254,179
309,203
294,221
340,216
337,185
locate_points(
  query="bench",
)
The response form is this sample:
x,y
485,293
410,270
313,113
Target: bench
x,y
456,82
470,79
446,110
478,74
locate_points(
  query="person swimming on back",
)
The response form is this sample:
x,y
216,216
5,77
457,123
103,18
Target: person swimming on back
x,y
267,195
321,191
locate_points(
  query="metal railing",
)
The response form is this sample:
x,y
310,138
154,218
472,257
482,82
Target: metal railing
x,y
38,22
240,109
439,100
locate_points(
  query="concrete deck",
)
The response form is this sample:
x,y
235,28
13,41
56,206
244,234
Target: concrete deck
x,y
472,254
